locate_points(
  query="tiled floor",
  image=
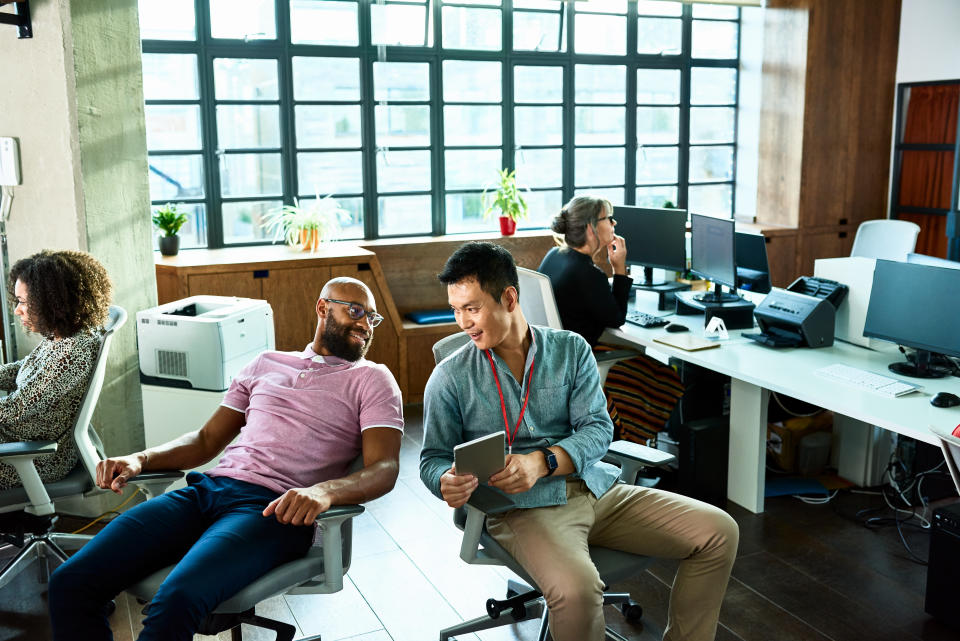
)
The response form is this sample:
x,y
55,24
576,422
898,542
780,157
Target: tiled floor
x,y
803,573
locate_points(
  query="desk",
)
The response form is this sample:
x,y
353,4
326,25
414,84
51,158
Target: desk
x,y
756,370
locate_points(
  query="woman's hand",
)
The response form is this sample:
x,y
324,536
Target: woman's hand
x,y
617,255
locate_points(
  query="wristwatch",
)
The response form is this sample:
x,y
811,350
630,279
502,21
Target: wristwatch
x,y
551,460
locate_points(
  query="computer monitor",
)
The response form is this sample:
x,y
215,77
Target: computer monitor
x,y
916,306
712,255
753,272
655,239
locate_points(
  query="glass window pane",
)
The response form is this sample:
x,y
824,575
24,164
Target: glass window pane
x,y
472,168
170,76
713,86
327,126
243,19
465,28
538,31
600,83
248,126
403,125
404,215
538,84
194,231
542,206
715,11
599,166
600,34
658,125
659,36
465,214
714,39
601,6
538,125
401,81
656,196
716,200
711,124
250,175
711,164
600,125
245,79
324,23
175,177
658,86
169,20
326,78
549,5
539,167
323,173
614,194
351,223
399,24
472,125
657,165
173,127
403,171
243,222
659,8
470,81
489,3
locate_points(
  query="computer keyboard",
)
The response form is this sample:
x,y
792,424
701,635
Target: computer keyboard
x,y
648,321
884,385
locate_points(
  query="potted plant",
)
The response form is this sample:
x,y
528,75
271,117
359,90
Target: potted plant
x,y
305,227
169,220
508,200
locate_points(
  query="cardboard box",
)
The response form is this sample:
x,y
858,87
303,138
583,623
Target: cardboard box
x,y
783,437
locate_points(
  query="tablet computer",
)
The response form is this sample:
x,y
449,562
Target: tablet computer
x,y
481,457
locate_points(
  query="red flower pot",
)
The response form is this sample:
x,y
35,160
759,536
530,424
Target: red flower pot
x,y
507,225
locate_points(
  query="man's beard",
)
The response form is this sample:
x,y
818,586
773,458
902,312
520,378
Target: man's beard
x,y
336,338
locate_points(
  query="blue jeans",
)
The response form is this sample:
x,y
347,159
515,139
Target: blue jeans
x,y
215,533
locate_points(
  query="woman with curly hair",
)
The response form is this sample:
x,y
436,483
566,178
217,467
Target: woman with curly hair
x,y
65,297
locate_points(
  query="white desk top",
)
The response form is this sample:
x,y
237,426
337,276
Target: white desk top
x,y
790,371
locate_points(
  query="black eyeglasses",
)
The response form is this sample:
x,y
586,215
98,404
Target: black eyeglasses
x,y
357,311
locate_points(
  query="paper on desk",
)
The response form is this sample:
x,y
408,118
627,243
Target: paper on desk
x,y
686,342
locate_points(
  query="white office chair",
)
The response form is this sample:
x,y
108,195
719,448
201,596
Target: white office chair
x,y
950,445
540,308
28,512
887,239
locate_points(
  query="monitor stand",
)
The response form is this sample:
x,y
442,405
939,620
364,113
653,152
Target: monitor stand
x,y
920,367
666,292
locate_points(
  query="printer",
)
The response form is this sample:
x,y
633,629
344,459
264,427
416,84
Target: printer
x,y
789,318
202,342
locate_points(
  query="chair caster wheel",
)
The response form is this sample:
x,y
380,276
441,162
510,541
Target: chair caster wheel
x,y
493,608
632,611
110,608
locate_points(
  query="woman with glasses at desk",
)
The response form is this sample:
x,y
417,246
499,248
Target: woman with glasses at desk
x,y
63,296
641,392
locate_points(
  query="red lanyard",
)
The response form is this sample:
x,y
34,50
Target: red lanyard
x,y
503,405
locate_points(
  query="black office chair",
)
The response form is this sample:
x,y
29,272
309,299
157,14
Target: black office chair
x,y
525,601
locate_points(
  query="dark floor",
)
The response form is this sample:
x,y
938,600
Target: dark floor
x,y
804,572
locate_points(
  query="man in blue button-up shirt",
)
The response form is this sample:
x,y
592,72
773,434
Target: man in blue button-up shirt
x,y
542,387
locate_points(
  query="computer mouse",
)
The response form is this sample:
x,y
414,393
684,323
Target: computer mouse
x,y
676,327
945,399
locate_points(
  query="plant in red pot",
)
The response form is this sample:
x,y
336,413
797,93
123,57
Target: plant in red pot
x,y
507,200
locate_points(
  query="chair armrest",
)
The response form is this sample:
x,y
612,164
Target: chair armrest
x,y
333,548
630,457
20,455
483,502
156,482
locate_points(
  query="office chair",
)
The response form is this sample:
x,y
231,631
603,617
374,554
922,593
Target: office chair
x,y
479,548
950,445
887,239
27,512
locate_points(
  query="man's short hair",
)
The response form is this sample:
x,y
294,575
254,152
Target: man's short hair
x,y
490,265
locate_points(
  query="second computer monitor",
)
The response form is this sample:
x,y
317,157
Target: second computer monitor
x,y
655,238
712,252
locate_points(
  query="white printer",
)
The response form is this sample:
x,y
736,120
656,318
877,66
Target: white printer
x,y
202,342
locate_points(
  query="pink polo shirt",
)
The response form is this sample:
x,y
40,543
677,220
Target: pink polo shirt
x,y
304,415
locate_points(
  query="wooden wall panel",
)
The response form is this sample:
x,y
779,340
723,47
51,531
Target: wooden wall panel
x,y
933,233
292,294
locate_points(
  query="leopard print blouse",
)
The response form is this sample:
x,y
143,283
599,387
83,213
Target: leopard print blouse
x,y
46,391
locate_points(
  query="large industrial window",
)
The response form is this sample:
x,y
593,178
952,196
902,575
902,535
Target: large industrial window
x,y
404,110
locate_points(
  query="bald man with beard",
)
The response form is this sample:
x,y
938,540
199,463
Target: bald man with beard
x,y
299,420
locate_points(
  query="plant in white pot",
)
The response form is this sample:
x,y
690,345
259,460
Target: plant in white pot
x,y
169,220
507,199
306,226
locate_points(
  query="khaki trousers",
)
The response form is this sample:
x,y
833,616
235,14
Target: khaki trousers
x,y
551,544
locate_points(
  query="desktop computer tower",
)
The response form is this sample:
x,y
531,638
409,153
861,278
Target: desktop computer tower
x,y
943,566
